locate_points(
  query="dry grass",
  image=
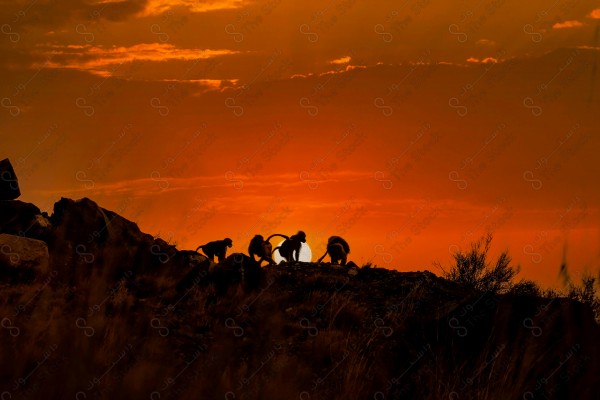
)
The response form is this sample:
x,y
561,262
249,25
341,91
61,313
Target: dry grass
x,y
310,333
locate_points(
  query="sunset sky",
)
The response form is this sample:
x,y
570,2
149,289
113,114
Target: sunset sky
x,y
411,128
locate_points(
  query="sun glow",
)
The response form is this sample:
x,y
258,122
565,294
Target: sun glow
x,y
304,256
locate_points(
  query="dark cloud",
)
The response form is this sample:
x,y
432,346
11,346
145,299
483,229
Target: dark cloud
x,y
52,14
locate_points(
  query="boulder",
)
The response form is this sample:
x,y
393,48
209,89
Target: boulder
x,y
81,221
9,186
24,254
87,240
195,266
85,222
23,219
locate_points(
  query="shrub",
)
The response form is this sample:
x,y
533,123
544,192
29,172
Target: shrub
x,y
526,287
472,268
586,293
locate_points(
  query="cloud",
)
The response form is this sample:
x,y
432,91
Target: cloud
x,y
103,60
595,14
59,13
485,42
567,24
215,84
483,60
156,7
158,185
342,60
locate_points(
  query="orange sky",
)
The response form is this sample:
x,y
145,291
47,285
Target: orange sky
x,y
411,128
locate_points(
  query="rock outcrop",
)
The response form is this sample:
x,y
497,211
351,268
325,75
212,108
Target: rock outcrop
x,y
23,219
9,185
21,256
90,242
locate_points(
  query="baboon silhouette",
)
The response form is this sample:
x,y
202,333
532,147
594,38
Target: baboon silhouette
x,y
338,249
290,245
261,248
217,248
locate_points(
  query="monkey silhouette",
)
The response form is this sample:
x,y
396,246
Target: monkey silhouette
x,y
338,249
262,248
291,246
217,248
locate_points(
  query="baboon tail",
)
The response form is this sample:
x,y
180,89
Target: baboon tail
x,y
201,246
277,234
276,248
321,259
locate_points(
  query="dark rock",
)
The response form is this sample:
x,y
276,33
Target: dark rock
x,y
237,268
20,256
81,221
9,185
88,240
23,219
198,267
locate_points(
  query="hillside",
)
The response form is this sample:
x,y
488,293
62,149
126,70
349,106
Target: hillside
x,y
92,307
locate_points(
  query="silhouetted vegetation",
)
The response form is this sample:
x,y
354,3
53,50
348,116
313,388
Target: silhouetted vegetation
x,y
474,270
586,293
526,287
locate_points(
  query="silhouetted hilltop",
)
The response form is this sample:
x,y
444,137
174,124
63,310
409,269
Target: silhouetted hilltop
x,y
92,307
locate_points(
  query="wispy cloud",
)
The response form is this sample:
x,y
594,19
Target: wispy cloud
x,y
485,42
64,12
157,184
156,7
103,59
485,60
567,24
342,60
